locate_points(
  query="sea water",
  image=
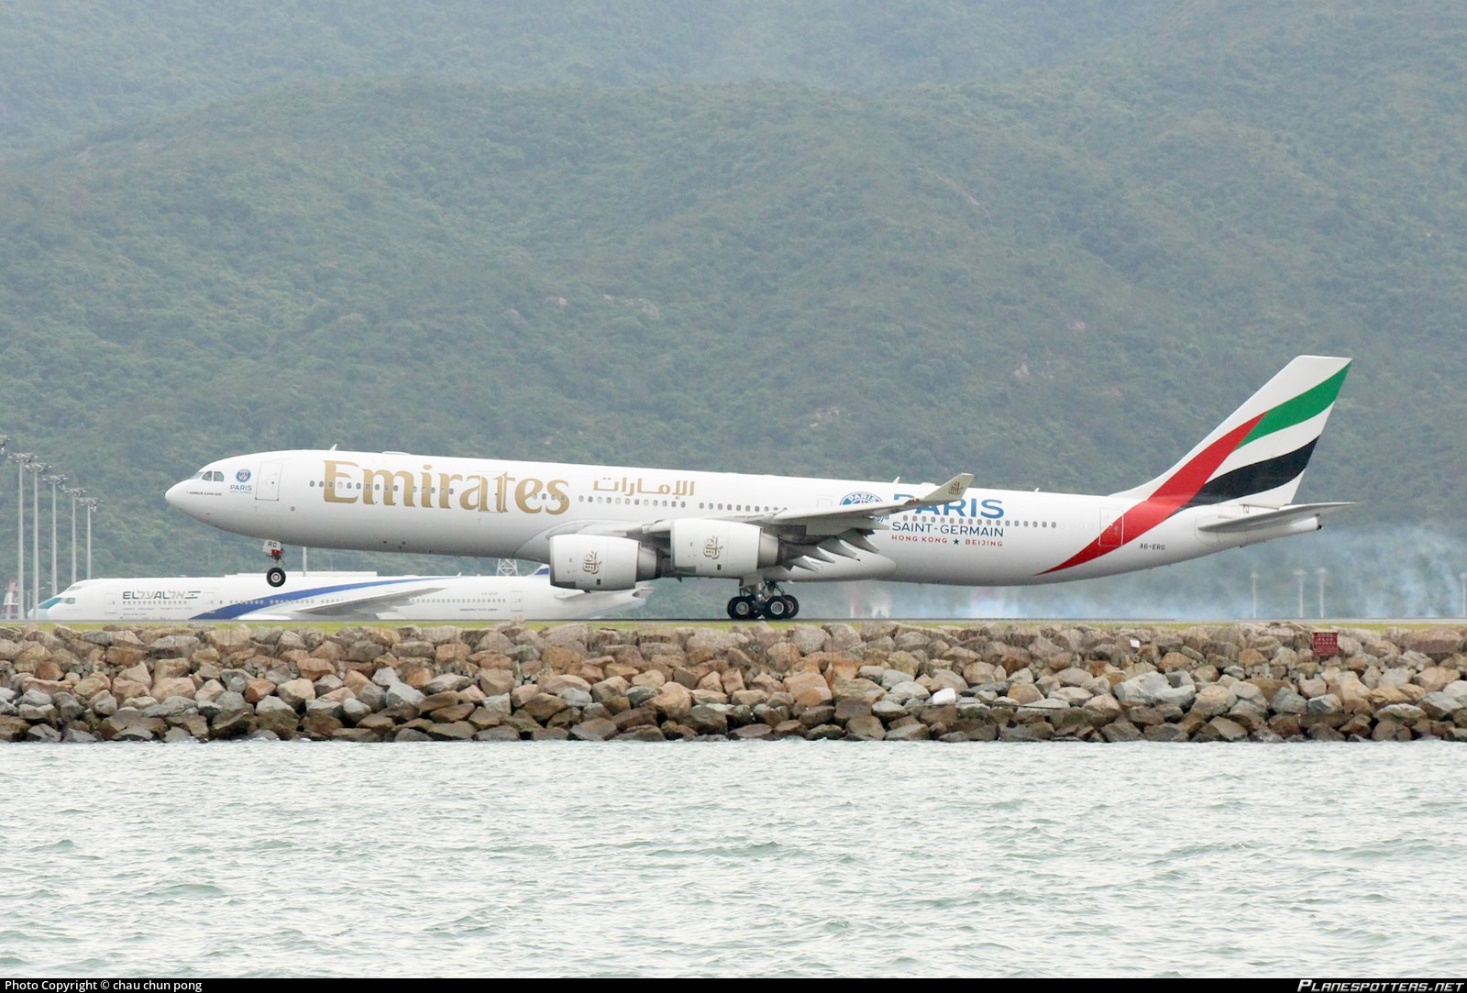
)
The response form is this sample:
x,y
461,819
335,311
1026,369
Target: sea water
x,y
785,858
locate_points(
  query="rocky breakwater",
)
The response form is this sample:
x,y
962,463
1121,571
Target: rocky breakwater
x,y
654,682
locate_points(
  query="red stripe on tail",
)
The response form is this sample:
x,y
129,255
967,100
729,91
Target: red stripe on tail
x,y
1169,497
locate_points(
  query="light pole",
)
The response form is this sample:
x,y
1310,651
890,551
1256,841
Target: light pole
x,y
4,440
1321,572
73,492
1255,594
35,469
54,479
1463,578
91,505
21,460
1299,574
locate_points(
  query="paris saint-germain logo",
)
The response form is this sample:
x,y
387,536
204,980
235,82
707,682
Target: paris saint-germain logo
x,y
851,499
242,475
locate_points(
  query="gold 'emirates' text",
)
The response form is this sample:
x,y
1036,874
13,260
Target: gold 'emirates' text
x,y
442,490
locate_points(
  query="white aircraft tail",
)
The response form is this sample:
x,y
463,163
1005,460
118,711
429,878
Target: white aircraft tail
x,y
1258,455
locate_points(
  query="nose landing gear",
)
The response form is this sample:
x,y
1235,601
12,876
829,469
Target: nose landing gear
x,y
275,576
764,600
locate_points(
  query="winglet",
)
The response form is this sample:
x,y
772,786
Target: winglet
x,y
949,491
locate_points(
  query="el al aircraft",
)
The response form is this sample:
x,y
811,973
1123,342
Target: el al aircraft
x,y
333,596
610,527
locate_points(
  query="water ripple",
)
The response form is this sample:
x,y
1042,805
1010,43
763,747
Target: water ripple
x,y
701,859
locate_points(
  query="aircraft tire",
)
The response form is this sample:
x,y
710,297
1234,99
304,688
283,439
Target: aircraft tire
x,y
742,608
778,608
276,576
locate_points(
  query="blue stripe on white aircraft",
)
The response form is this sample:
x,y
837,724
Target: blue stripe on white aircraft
x,y
609,527
334,596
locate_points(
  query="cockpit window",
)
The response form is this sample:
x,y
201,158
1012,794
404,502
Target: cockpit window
x,y
210,475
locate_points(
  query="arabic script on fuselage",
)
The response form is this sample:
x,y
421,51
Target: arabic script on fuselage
x,y
641,487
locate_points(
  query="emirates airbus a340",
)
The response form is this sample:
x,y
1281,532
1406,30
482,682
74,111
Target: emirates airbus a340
x,y
610,527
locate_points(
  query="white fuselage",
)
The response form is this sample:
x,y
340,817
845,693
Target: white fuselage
x,y
330,596
398,502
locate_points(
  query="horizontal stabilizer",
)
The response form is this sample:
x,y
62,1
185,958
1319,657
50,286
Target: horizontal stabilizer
x,y
1264,518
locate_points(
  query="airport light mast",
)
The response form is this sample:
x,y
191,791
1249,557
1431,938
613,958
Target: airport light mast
x,y
20,459
74,492
54,479
35,469
91,504
4,440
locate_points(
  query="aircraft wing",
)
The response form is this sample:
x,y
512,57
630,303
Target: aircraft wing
x,y
1263,518
349,608
804,532
814,531
862,516
830,520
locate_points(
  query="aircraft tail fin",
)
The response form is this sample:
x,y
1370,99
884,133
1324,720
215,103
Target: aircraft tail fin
x,y
1259,453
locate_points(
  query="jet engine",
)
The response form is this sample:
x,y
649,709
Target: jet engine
x,y
724,549
599,562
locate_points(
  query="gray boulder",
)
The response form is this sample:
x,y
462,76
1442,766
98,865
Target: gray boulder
x,y
1151,689
1286,701
400,693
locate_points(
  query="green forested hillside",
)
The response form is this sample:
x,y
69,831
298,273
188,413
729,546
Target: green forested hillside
x,y
1060,277
75,65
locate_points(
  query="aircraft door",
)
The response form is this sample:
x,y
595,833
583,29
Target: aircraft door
x,y
1112,529
269,488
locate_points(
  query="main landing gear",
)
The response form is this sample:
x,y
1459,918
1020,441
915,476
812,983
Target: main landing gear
x,y
276,575
764,600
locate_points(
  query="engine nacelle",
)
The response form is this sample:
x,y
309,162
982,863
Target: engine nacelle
x,y
599,562
724,549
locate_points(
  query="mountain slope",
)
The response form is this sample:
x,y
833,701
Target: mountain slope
x,y
74,66
1062,279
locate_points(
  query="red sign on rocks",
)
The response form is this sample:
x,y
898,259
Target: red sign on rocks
x,y
1326,643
